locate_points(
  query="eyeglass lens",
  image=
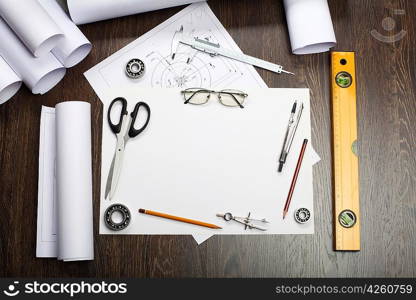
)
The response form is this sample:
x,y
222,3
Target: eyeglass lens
x,y
196,96
231,97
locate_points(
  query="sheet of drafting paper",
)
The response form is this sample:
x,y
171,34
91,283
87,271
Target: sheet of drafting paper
x,y
168,66
83,12
196,161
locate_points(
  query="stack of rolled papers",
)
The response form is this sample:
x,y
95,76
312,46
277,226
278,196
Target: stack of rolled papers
x,y
38,42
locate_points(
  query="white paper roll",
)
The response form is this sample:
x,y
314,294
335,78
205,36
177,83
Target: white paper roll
x,y
74,181
310,26
10,83
31,24
88,11
74,47
39,74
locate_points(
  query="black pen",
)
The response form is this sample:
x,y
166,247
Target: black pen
x,y
290,134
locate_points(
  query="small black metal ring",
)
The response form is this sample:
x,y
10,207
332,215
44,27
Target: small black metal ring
x,y
302,215
131,72
125,212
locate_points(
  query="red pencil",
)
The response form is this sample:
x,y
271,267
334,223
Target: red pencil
x,y
295,177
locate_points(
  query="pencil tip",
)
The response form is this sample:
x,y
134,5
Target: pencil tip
x,y
284,215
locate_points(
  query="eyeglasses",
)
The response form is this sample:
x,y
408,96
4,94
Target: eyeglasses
x,y
198,96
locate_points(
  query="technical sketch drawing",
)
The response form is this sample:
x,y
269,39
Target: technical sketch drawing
x,y
170,64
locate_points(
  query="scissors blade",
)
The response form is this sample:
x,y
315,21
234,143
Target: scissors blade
x,y
118,161
109,178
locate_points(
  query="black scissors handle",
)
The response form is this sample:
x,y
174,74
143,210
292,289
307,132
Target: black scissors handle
x,y
133,132
117,127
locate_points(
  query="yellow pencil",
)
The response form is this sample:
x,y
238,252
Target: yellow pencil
x,y
180,219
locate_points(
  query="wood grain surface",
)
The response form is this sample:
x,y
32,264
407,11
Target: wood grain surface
x,y
387,148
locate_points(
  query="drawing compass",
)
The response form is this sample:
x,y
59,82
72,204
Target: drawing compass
x,y
246,221
215,49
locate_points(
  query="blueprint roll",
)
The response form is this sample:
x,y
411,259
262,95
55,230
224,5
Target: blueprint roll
x,y
74,181
40,74
32,25
10,83
310,26
83,11
74,47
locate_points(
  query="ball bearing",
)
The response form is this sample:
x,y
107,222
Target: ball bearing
x,y
135,68
302,215
125,214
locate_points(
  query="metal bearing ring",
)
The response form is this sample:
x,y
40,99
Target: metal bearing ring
x,y
108,217
302,215
135,68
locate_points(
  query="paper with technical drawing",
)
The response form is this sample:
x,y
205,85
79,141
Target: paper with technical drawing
x,y
170,66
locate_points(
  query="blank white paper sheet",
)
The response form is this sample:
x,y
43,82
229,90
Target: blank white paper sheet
x,y
197,161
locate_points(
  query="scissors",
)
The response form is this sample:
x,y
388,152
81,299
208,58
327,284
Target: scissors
x,y
124,130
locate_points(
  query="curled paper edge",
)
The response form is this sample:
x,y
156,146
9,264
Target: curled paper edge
x,y
10,82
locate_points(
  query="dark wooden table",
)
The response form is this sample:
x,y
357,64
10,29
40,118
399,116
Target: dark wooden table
x,y
387,118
